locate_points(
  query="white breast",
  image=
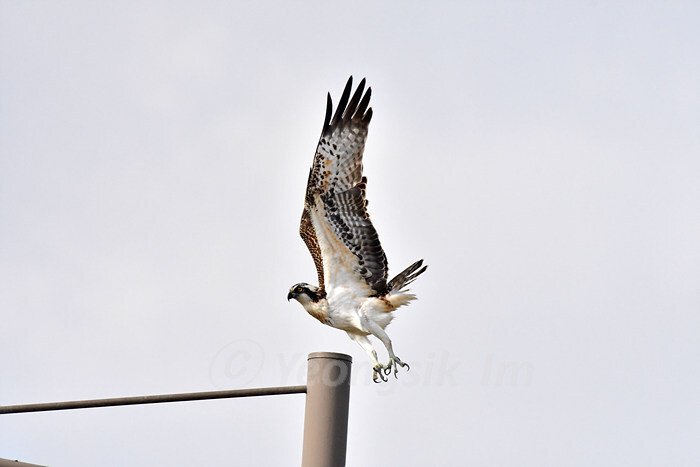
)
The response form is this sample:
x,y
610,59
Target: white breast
x,y
347,307
344,305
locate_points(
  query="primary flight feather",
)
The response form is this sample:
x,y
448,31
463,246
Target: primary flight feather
x,y
353,293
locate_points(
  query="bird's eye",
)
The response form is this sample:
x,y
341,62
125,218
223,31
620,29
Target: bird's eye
x,y
300,290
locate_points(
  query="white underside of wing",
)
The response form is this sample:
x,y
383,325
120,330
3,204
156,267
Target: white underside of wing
x,y
339,263
348,295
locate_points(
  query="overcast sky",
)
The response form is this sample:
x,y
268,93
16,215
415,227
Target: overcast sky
x,y
543,157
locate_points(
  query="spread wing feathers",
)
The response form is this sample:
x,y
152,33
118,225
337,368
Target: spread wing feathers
x,y
335,219
407,276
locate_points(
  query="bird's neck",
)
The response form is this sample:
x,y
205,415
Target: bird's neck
x,y
318,310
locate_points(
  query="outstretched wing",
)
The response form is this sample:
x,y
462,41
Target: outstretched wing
x,y
335,224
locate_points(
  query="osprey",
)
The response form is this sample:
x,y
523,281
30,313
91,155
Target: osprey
x,y
353,293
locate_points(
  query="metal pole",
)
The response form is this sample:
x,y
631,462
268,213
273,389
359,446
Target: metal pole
x,y
181,397
10,463
326,415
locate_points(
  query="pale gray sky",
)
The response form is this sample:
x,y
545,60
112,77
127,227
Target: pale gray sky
x,y
543,157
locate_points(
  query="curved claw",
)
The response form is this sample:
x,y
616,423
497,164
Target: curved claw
x,y
378,372
395,363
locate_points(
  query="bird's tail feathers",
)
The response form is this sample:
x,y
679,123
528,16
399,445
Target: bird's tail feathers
x,y
407,276
400,298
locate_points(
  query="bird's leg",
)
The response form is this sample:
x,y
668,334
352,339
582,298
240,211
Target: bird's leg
x,y
394,361
378,370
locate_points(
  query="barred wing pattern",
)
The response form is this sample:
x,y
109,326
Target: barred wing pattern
x,y
335,224
308,234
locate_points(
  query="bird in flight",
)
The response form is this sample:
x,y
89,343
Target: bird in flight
x,y
353,294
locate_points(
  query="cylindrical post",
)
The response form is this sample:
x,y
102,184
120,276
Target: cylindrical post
x,y
326,415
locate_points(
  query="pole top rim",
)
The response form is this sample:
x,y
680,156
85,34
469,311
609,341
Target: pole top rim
x,y
331,355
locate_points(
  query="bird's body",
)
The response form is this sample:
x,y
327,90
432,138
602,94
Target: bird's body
x,y
353,293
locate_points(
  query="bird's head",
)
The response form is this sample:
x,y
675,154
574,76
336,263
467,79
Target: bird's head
x,y
304,293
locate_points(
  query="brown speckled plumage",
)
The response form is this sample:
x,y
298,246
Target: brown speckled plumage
x,y
336,182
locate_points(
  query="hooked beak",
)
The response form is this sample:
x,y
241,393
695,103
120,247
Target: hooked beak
x,y
290,296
